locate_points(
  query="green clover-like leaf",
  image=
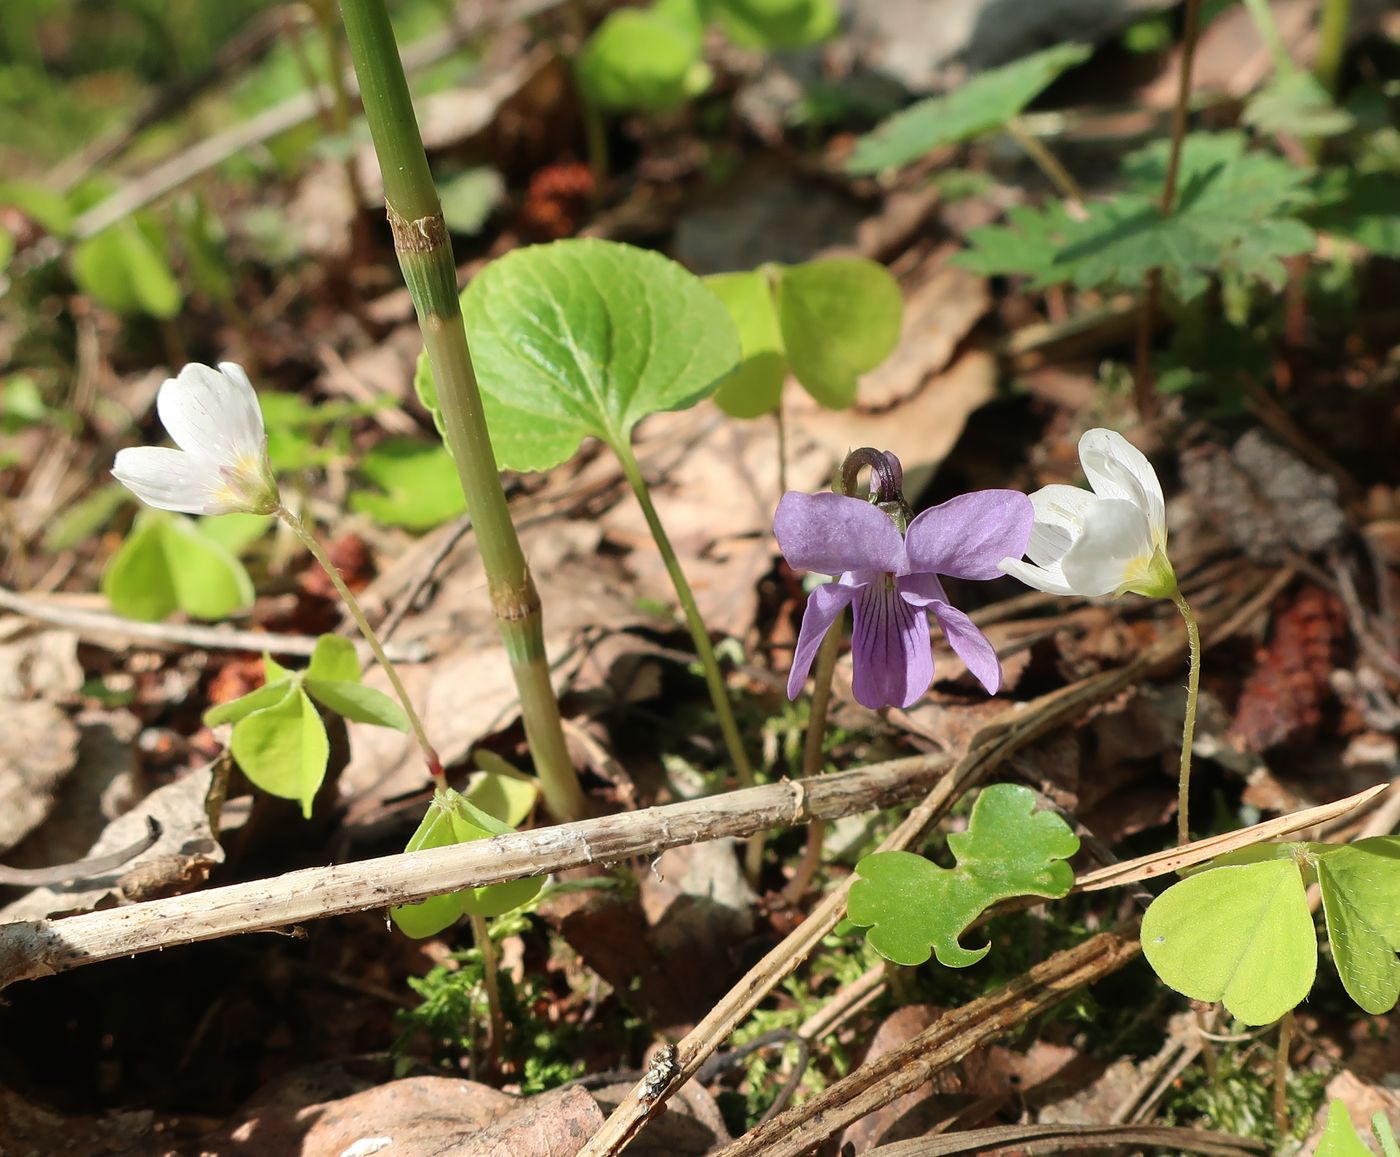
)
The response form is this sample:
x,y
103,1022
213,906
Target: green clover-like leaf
x,y
1241,934
167,564
586,337
1340,1138
646,59
778,24
453,819
984,103
126,269
755,386
283,748
1361,899
1009,849
420,484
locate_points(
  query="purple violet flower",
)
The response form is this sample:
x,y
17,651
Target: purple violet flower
x,y
892,581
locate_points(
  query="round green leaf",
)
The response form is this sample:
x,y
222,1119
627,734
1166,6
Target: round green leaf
x,y
1240,934
1361,899
587,337
756,386
283,748
641,59
166,565
838,319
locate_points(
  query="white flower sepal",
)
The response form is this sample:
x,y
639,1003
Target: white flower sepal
x,y
1110,541
221,466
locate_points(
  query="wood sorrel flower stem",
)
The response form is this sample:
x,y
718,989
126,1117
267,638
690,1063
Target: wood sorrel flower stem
x,y
425,256
352,604
1188,732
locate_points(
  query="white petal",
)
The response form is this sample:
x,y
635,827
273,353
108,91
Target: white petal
x,y
173,480
1115,548
1048,579
1116,468
1059,520
213,415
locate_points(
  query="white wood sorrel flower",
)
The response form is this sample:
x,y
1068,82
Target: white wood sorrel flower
x,y
1110,541
221,466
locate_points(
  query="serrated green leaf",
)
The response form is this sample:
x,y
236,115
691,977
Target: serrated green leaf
x,y
1361,899
1029,244
839,318
755,386
420,483
1009,849
1340,1138
240,708
1294,103
1241,934
778,24
333,659
984,103
587,337
358,703
166,565
1361,207
645,59
283,748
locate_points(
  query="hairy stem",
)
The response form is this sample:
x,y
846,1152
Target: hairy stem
x,y
425,256
1188,732
352,604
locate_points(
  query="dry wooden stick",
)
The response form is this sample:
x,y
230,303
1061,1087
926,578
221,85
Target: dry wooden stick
x,y
943,1043
1026,1140
41,947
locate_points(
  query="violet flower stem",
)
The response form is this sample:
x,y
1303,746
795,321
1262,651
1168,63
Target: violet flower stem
x,y
1188,733
352,604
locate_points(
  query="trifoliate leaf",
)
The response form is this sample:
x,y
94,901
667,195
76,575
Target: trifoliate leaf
x,y
453,819
984,103
839,318
1361,898
1241,934
283,748
420,481
778,24
166,565
756,385
586,337
1009,850
644,59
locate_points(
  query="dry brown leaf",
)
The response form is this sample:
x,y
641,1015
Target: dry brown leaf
x,y
38,750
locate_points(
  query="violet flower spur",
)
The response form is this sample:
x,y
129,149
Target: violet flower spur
x,y
891,581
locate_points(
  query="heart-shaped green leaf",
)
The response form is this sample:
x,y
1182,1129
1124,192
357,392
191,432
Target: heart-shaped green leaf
x,y
586,337
755,386
984,103
453,819
1361,898
358,703
283,748
1009,849
420,484
235,709
166,564
1241,934
780,24
333,659
839,318
509,798
124,267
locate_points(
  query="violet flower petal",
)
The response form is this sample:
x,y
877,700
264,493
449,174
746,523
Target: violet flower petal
x,y
970,645
891,657
832,533
824,607
968,536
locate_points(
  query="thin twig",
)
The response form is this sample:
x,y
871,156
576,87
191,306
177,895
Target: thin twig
x,y
100,628
40,948
81,869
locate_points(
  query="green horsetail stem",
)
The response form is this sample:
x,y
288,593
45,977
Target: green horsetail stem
x,y
425,256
